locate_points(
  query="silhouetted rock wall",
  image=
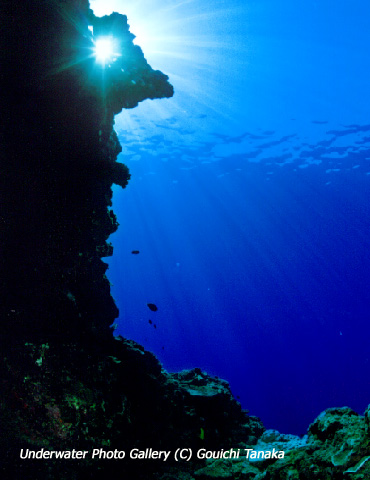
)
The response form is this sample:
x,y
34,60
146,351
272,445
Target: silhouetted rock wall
x,y
58,163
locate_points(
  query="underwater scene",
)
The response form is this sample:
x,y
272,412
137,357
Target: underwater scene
x,y
184,238
249,201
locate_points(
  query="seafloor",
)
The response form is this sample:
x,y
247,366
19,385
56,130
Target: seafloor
x,y
66,383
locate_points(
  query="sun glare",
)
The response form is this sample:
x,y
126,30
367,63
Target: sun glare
x,y
104,49
186,39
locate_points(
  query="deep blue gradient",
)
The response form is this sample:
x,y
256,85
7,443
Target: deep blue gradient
x,y
249,202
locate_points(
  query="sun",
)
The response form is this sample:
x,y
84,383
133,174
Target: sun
x,y
103,50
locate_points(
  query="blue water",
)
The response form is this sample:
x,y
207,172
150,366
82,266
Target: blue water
x,y
249,201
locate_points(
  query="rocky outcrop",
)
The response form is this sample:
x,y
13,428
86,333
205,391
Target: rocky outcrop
x,y
75,402
337,447
64,396
58,163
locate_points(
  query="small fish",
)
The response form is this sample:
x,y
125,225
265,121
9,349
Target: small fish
x,y
135,252
152,307
155,326
150,322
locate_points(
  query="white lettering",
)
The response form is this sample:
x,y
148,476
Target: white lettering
x,y
215,454
263,454
108,454
46,454
149,453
